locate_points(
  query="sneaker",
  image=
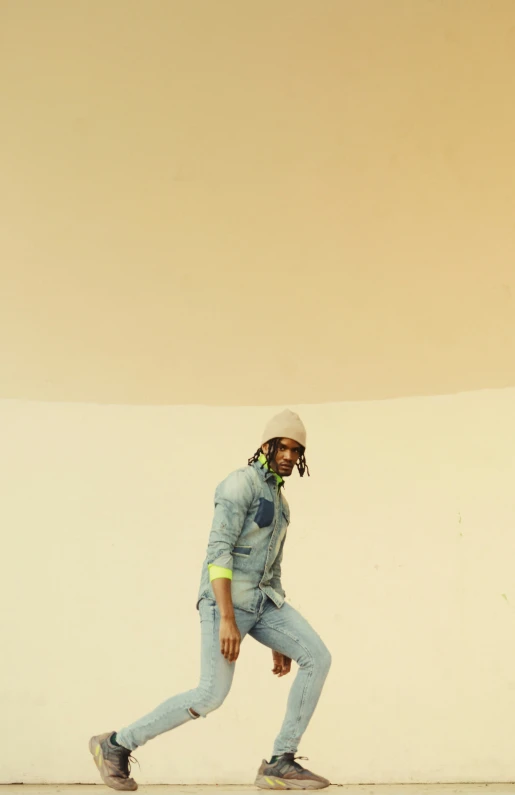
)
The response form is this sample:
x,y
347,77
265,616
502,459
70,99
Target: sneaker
x,y
112,762
286,773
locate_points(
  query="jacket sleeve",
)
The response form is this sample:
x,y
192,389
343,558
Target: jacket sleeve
x,y
233,499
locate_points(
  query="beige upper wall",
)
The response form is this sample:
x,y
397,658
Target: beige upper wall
x,y
198,198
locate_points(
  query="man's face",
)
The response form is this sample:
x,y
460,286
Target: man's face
x,y
287,455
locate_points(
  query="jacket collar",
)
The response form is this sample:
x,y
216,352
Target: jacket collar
x,y
267,473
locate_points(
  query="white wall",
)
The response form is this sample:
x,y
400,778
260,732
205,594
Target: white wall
x,y
400,553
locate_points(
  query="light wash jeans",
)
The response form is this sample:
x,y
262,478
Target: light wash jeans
x,y
282,629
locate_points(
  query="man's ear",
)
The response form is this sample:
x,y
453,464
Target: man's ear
x,y
265,447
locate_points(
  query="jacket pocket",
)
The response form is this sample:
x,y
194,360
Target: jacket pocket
x,y
242,552
265,513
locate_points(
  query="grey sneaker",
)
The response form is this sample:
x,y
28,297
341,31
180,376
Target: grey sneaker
x,y
286,773
112,762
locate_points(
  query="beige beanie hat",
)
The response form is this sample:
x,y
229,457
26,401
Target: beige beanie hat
x,y
286,425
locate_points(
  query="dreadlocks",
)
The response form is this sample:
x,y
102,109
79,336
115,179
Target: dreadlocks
x,y
273,444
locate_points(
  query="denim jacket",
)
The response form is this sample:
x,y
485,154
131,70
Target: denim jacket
x,y
247,536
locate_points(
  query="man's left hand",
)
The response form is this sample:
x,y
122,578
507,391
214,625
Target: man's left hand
x,y
282,664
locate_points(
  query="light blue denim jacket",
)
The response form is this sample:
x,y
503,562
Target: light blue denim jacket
x,y
247,536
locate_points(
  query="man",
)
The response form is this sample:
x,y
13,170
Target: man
x,y
241,594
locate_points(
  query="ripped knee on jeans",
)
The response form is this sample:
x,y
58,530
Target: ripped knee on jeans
x,y
193,714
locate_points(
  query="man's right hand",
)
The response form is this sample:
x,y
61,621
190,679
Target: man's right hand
x,y
230,639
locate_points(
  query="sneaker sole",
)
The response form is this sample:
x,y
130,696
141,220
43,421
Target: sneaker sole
x,y
272,782
98,757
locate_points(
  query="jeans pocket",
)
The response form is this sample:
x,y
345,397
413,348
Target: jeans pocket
x,y
206,609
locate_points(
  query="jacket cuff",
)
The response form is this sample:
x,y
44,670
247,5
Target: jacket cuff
x,y
218,573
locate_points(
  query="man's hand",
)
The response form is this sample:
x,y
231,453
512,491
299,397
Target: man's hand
x,y
282,664
230,639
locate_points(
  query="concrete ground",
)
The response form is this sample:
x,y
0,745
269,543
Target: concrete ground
x,y
363,789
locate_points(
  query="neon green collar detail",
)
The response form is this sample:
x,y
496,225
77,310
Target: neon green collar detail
x,y
262,460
